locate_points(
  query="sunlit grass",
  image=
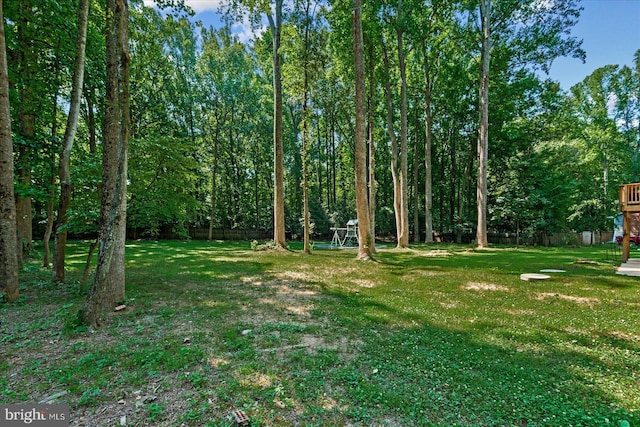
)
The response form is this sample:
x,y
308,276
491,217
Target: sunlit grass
x,y
434,335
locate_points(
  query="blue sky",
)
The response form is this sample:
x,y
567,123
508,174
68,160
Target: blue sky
x,y
610,30
611,33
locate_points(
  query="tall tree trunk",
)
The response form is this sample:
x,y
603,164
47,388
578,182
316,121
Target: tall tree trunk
x,y
256,169
334,170
372,150
26,121
453,180
483,131
105,288
64,170
305,181
428,121
8,236
395,175
278,153
296,196
403,238
305,139
319,161
52,179
362,205
416,193
117,273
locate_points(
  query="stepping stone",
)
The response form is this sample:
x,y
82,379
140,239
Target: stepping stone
x,y
534,276
552,270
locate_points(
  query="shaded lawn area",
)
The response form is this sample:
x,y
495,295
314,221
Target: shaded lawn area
x,y
435,335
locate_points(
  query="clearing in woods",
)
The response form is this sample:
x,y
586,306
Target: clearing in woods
x,y
436,335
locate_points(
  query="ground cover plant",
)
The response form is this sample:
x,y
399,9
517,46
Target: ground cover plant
x,y
434,335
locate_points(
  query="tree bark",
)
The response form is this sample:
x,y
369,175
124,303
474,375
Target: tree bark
x,y
416,193
116,279
26,128
372,151
53,177
46,259
106,288
362,205
483,131
305,140
278,153
403,237
87,264
395,174
8,236
428,121
64,170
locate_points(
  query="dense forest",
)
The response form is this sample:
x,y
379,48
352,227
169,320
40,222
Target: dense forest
x,y
201,135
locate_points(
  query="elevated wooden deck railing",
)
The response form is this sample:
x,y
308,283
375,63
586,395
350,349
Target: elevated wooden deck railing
x,y
630,197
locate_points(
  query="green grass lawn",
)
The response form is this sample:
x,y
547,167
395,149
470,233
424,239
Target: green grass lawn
x,y
437,335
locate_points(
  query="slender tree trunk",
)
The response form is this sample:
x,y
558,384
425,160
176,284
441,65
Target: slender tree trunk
x,y
28,61
64,170
403,238
416,193
105,288
395,175
372,151
295,200
483,132
87,264
278,154
362,205
428,119
50,213
256,181
8,236
334,169
52,180
305,140
441,198
319,161
453,179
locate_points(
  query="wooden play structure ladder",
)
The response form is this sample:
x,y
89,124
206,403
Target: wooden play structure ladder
x,y
629,203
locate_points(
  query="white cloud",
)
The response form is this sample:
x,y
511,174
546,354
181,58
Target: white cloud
x,y
243,29
245,32
204,5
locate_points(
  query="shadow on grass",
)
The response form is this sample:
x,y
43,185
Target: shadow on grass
x,y
408,363
432,375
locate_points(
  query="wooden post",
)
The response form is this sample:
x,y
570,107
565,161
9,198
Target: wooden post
x,y
626,238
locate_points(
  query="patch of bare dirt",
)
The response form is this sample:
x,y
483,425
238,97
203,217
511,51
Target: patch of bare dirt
x,y
482,286
363,283
277,299
623,336
590,302
520,312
